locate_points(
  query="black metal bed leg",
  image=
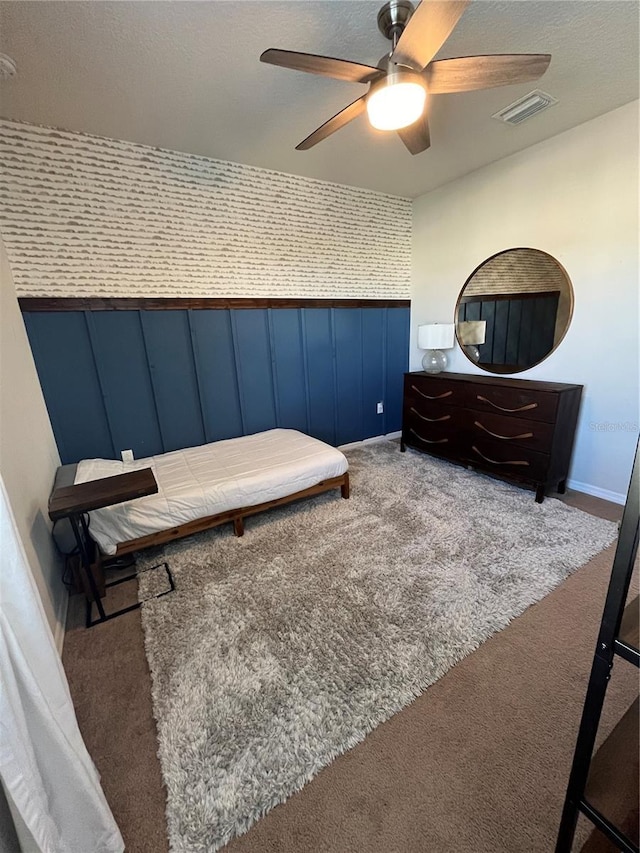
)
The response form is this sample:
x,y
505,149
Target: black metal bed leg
x,y
82,541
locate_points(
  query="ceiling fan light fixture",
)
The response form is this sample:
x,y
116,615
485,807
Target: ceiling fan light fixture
x,y
396,101
399,84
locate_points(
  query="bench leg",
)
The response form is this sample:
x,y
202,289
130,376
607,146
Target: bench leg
x,y
344,488
238,525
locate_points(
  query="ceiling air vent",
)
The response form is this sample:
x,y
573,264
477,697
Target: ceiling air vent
x,y
525,107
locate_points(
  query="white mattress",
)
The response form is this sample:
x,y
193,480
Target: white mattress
x,y
213,478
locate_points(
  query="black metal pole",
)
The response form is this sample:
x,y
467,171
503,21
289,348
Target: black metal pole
x,y
85,560
621,572
587,733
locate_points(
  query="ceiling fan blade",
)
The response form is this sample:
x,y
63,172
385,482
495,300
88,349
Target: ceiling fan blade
x,y
416,137
327,66
428,29
483,72
339,120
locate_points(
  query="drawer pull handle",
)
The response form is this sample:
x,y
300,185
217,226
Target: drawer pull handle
x,y
429,440
430,420
496,462
502,409
503,437
437,397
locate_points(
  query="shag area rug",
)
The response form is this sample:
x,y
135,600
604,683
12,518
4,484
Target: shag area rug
x,y
281,650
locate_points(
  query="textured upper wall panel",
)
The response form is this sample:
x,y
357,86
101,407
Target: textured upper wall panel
x,y
87,216
518,271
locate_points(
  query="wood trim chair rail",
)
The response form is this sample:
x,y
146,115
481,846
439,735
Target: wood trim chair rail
x,y
95,303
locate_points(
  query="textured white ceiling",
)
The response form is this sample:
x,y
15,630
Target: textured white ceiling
x,y
186,76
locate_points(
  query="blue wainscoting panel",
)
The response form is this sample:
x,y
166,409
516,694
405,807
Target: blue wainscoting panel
x,y
397,363
216,369
67,371
175,387
123,371
253,363
347,326
373,371
513,331
500,334
320,375
288,368
160,380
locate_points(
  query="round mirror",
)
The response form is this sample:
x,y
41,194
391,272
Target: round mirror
x,y
514,310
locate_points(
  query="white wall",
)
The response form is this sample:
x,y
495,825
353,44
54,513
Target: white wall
x,y
576,197
28,452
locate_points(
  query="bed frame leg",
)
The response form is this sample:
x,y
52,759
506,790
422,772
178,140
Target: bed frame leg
x,y
344,488
238,525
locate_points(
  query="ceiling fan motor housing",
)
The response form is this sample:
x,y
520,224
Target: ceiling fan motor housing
x,y
397,74
393,17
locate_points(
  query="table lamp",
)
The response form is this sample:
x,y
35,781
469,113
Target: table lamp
x,y
470,334
435,337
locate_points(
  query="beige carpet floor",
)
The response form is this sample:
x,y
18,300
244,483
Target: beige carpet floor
x,y
478,764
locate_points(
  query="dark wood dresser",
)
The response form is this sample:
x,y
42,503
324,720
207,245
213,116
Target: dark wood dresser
x,y
514,429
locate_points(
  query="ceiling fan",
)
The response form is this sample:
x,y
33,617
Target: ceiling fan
x,y
400,83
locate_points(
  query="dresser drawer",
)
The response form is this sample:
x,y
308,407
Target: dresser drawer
x,y
509,430
434,437
430,389
431,411
513,401
507,459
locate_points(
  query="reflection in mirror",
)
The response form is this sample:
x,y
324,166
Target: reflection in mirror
x,y
514,310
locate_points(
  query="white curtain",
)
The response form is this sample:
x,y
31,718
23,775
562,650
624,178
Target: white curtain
x,y
50,782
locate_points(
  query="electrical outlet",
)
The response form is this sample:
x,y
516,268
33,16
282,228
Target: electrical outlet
x,y
127,455
379,408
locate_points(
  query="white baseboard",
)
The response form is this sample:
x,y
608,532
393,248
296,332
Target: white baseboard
x,y
61,622
377,438
597,492
586,488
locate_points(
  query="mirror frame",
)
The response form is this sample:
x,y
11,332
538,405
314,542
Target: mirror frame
x,y
559,341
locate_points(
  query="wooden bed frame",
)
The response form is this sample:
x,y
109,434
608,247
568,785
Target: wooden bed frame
x,y
236,516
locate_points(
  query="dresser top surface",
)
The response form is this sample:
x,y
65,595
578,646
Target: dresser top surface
x,y
504,381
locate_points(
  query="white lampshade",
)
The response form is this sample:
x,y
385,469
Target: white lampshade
x,y
396,101
436,336
472,332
